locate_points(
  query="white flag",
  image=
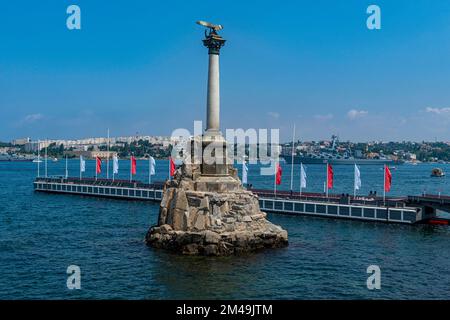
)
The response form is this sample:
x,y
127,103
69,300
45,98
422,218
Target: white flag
x,y
302,176
82,164
115,165
152,165
357,178
244,172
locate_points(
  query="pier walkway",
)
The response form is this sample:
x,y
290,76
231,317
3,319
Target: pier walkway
x,y
122,189
407,210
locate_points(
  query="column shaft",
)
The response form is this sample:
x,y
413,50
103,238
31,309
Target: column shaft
x,y
213,96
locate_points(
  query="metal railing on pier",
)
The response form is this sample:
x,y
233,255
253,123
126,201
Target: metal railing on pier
x,y
333,198
158,185
409,210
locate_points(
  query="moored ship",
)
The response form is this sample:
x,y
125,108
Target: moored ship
x,y
322,159
331,156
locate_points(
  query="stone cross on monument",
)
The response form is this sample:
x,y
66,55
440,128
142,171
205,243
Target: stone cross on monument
x,y
205,210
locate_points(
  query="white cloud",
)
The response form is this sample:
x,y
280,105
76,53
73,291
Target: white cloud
x,y
438,110
31,118
354,114
328,116
274,115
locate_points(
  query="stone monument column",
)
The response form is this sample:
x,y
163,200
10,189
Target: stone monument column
x,y
205,210
212,136
213,42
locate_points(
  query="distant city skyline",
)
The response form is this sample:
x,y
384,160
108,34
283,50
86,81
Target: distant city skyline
x,y
142,68
102,139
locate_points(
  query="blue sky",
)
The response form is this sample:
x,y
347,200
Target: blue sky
x,y
139,66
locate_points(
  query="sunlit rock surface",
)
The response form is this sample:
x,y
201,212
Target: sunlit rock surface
x,y
212,215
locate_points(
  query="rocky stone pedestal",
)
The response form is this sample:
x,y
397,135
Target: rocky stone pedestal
x,y
212,215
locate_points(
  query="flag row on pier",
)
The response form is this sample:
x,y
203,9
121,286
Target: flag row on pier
x,y
133,167
115,160
328,184
278,173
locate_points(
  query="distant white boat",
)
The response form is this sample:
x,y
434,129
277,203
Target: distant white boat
x,y
55,159
37,161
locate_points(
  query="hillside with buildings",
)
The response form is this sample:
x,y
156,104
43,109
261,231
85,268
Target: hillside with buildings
x,y
160,147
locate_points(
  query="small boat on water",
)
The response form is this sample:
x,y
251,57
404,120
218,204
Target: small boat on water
x,y
437,172
37,160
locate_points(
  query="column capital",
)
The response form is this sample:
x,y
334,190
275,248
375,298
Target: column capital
x,y
213,42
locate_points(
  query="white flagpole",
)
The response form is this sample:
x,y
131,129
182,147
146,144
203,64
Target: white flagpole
x,y
80,169
301,178
115,166
39,158
292,160
107,159
149,169
46,158
354,182
67,174
113,169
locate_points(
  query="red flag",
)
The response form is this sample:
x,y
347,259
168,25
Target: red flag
x,y
387,179
98,165
329,176
278,173
133,165
172,167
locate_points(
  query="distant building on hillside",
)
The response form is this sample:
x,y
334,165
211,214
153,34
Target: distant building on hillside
x,y
32,146
20,142
91,154
410,156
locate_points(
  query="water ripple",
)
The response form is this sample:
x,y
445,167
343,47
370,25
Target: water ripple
x,y
41,234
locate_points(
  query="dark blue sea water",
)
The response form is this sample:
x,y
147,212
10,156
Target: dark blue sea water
x,y
42,234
